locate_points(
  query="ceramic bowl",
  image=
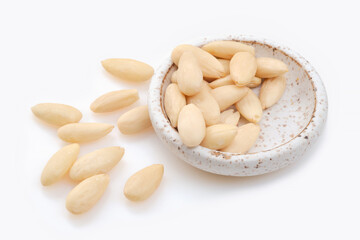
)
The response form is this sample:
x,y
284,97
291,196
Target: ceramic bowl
x,y
288,129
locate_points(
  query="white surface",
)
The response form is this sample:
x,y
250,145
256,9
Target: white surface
x,y
51,52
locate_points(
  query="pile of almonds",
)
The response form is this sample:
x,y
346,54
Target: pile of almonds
x,y
211,89
90,170
209,92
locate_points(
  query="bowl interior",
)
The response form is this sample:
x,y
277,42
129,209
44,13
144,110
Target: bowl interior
x,y
286,119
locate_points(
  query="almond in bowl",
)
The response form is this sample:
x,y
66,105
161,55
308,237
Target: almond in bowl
x,y
280,99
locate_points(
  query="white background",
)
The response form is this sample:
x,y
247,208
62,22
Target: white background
x,y
50,51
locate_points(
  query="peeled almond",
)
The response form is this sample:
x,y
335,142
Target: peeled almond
x,y
242,68
210,66
143,184
219,136
174,101
222,82
245,138
270,67
227,49
135,120
87,193
255,82
228,95
189,75
59,164
230,117
56,113
96,162
207,104
84,132
128,69
206,86
250,107
226,65
114,100
174,77
191,125
271,91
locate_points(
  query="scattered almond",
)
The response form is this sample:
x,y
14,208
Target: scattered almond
x,y
128,69
114,100
84,132
134,121
59,164
56,113
143,184
87,193
96,162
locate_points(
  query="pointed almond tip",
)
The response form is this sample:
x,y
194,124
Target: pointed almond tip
x,y
44,182
93,108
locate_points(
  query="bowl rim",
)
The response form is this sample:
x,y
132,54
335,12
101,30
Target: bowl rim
x,y
165,131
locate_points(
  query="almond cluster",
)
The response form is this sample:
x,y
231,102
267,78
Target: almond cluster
x,y
211,90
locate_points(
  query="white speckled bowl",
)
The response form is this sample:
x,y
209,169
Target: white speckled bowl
x,y
288,128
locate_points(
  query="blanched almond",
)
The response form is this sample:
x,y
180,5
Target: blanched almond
x,y
219,136
143,184
135,120
242,68
271,91
210,66
59,164
228,95
189,75
245,138
206,86
96,162
230,117
84,132
174,101
227,49
174,77
56,113
222,82
255,82
191,125
250,107
226,65
270,67
207,104
114,100
128,69
87,193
